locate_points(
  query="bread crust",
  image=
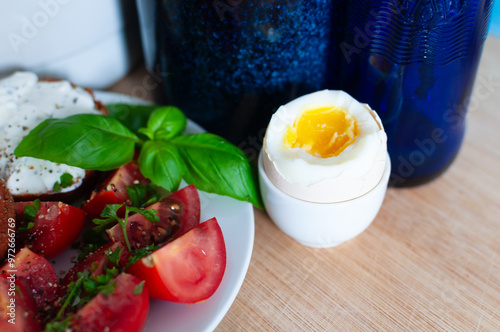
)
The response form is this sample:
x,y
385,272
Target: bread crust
x,y
7,212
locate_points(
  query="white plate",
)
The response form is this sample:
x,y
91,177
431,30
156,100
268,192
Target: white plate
x,y
236,220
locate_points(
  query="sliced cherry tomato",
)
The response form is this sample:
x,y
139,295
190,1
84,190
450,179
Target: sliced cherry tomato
x,y
125,310
56,226
123,177
114,189
189,206
93,208
141,232
18,312
94,262
37,276
178,213
188,269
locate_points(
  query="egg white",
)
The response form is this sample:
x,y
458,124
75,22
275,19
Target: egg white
x,y
352,173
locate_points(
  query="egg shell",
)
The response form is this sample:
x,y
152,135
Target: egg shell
x,y
337,189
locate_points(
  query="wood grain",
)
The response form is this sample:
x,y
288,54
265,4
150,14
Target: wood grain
x,y
429,261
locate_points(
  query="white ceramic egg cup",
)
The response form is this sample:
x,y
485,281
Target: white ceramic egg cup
x,y
322,225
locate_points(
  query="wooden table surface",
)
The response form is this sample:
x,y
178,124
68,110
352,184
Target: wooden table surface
x,y
429,261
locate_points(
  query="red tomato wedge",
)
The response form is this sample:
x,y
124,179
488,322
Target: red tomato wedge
x,y
178,213
56,227
188,269
94,262
124,310
114,189
18,312
37,276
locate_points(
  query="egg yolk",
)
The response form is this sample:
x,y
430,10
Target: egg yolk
x,y
324,131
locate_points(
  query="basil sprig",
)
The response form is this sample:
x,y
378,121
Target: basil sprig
x,y
164,124
132,116
87,141
166,156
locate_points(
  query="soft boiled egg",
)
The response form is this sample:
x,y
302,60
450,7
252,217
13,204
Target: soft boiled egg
x,y
325,147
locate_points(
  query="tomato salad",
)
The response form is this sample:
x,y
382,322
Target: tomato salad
x,y
139,236
136,243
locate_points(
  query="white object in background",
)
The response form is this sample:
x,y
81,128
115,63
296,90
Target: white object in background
x,y
322,225
91,43
147,23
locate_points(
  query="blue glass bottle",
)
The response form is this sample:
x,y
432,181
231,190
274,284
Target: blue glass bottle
x,y
414,62
230,64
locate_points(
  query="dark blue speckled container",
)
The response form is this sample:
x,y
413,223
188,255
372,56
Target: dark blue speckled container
x,y
230,64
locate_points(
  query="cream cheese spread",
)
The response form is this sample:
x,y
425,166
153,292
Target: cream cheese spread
x,y
24,103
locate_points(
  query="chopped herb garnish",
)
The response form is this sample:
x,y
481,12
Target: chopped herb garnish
x,y
149,214
83,290
59,326
113,257
138,288
110,218
27,226
18,292
65,180
137,254
91,241
101,284
86,250
110,213
29,215
142,196
94,266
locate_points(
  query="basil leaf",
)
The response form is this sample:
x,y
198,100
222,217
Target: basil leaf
x,y
88,141
132,116
165,122
215,165
161,163
138,289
